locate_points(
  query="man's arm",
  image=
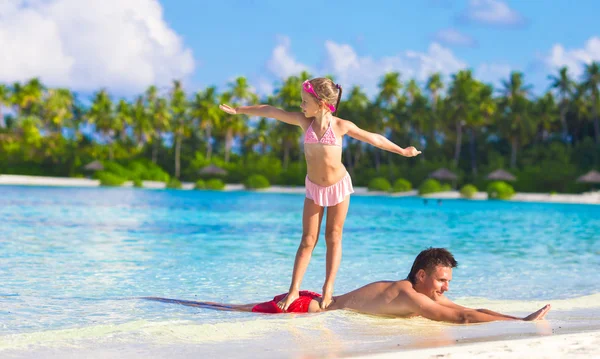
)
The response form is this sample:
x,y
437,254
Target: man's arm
x,y
450,304
425,307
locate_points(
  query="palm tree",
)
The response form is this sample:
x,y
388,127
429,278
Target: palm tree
x,y
240,94
591,84
289,98
205,110
142,127
161,122
516,122
546,113
123,118
461,105
58,108
434,85
564,87
101,114
485,108
4,101
180,118
27,98
355,110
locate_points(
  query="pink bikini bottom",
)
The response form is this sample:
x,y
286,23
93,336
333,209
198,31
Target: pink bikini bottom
x,y
331,195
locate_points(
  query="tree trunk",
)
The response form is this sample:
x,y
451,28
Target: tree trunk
x,y
208,143
286,154
473,152
563,122
228,139
596,125
513,154
263,147
458,143
177,155
2,122
155,149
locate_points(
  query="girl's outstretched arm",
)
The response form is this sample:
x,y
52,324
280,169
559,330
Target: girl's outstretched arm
x,y
293,118
378,140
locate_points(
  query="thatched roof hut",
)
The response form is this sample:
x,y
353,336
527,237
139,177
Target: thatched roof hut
x,y
501,175
212,170
94,166
590,177
443,174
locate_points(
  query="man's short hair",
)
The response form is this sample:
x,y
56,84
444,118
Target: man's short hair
x,y
429,259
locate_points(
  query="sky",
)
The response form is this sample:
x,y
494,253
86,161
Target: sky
x,y
127,45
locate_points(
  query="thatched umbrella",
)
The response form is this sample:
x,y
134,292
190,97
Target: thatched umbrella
x,y
443,174
501,175
212,170
590,177
94,166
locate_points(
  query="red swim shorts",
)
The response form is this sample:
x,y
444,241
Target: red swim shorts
x,y
300,305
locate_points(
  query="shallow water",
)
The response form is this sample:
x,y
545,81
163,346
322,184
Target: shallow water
x,y
72,260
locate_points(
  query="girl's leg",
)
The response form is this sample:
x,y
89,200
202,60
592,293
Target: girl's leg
x,y
336,216
311,223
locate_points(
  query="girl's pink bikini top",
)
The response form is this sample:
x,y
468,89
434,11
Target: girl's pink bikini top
x,y
328,138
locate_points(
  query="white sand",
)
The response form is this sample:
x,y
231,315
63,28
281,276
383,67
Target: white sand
x,y
579,345
584,198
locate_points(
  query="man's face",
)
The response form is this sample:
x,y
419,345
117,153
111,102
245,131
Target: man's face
x,y
436,283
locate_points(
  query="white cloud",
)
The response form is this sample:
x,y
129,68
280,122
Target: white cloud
x,y
492,73
574,59
351,69
492,12
282,63
454,37
124,45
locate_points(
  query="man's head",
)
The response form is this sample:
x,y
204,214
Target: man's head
x,y
431,271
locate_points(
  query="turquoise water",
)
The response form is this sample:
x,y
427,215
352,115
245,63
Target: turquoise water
x,y
73,260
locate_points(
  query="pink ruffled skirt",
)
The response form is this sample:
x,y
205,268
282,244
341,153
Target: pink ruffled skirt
x,y
331,195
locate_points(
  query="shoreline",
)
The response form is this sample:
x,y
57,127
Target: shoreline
x,y
583,198
585,344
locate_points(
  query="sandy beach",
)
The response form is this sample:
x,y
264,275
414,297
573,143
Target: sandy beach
x,y
583,198
578,345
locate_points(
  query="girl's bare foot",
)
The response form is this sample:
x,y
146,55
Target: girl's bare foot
x,y
540,314
327,298
285,303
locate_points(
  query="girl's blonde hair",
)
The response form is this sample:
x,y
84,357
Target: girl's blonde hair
x,y
327,90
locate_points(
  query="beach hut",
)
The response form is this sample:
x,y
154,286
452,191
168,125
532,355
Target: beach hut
x,y
94,166
501,175
212,170
444,174
592,177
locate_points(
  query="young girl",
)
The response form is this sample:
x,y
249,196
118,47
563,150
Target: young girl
x,y
328,184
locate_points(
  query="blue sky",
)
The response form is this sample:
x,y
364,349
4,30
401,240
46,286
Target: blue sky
x,y
125,45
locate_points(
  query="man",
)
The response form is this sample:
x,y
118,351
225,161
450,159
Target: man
x,y
421,294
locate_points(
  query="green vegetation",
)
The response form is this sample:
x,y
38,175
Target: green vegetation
x,y
174,184
257,182
379,184
200,184
402,185
468,191
430,186
500,190
546,141
215,184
